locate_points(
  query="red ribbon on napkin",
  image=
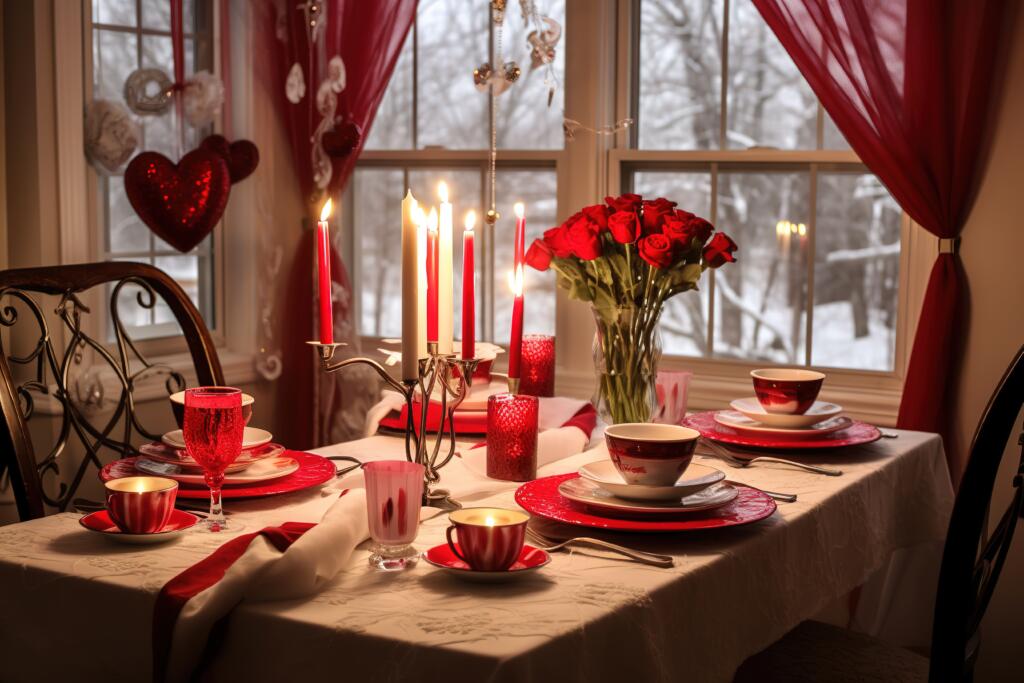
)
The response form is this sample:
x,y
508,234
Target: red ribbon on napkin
x,y
471,423
178,591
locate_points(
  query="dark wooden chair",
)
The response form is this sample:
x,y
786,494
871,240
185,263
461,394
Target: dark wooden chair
x,y
53,344
971,565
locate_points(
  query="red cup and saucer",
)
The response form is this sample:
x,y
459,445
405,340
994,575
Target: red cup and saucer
x,y
490,546
140,510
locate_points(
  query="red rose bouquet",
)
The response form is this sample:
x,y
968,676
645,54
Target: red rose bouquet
x,y
626,257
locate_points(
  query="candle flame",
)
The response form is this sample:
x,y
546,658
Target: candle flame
x,y
470,220
326,211
442,191
781,228
520,209
432,220
515,281
792,227
489,521
418,217
802,229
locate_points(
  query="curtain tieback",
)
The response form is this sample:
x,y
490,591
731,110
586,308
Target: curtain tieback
x,y
949,245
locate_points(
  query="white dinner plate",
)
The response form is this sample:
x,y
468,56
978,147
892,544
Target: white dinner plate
x,y
251,438
819,412
161,452
264,470
697,477
741,423
584,491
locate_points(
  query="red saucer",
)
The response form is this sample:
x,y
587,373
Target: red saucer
x,y
313,471
530,559
541,497
101,523
856,434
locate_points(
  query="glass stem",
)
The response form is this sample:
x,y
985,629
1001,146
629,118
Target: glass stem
x,y
216,517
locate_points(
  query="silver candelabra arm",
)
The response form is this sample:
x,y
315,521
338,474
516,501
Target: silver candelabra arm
x,y
453,376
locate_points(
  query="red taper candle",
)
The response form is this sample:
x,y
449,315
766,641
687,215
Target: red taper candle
x,y
323,262
468,289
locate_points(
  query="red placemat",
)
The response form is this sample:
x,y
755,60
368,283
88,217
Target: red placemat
x,y
541,497
856,434
313,471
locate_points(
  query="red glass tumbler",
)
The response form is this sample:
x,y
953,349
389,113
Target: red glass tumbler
x,y
538,371
512,437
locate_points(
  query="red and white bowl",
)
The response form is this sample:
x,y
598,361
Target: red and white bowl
x,y
651,454
789,391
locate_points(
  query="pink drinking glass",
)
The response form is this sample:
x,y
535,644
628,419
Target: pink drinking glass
x,y
394,495
213,437
538,371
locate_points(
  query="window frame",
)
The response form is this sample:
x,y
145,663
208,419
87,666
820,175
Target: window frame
x,y
872,394
166,340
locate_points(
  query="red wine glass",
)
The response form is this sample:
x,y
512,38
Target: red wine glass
x,y
213,437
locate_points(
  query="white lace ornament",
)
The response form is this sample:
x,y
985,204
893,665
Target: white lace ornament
x,y
327,105
295,85
111,135
203,97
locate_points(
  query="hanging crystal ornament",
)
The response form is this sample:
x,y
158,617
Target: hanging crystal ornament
x,y
511,72
482,76
148,91
542,41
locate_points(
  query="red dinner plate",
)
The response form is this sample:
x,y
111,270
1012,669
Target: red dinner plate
x,y
856,434
313,471
541,497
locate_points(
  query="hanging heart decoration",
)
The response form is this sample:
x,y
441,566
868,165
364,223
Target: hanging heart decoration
x,y
242,156
342,139
181,203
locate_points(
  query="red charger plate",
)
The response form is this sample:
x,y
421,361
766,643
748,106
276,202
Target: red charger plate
x,y
541,497
856,434
313,471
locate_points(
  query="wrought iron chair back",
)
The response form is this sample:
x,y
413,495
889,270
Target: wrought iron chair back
x,y
971,563
45,370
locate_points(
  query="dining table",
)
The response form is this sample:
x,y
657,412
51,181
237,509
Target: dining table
x,y
78,607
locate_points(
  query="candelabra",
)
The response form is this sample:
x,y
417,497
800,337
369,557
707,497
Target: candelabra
x,y
453,377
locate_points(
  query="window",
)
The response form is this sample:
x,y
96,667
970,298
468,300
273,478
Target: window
x,y
727,127
127,35
433,125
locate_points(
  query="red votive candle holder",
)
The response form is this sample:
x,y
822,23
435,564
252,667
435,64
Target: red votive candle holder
x,y
512,437
538,369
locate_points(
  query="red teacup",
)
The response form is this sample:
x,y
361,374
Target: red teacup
x,y
178,407
490,539
141,505
651,454
787,391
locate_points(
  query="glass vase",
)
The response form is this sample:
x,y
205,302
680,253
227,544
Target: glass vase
x,y
627,349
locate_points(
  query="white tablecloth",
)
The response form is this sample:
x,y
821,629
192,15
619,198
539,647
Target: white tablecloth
x,y
74,605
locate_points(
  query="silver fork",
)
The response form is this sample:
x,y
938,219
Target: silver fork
x,y
551,545
737,460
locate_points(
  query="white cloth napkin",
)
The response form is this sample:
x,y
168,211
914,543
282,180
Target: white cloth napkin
x,y
264,573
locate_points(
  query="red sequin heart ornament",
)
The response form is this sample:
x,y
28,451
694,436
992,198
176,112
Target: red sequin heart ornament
x,y
181,203
242,156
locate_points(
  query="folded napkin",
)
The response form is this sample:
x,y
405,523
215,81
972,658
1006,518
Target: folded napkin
x,y
289,561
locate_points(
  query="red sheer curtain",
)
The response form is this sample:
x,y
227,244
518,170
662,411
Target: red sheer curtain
x,y
367,37
910,85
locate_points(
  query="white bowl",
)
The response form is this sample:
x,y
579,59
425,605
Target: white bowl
x,y
696,478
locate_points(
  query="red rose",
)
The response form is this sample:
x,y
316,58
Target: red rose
x,y
700,228
655,212
598,213
585,240
656,249
625,202
538,256
558,240
684,216
624,226
719,250
677,230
